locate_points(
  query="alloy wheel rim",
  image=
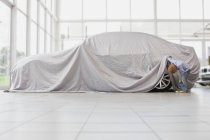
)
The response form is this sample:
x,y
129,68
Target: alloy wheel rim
x,y
164,82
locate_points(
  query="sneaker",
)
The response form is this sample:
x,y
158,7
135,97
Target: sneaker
x,y
179,91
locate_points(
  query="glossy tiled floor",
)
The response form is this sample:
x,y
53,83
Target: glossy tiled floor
x,y
105,116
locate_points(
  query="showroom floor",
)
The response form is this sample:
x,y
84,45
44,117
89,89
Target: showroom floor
x,y
105,116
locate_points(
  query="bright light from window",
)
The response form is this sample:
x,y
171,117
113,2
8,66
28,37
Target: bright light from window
x,y
53,6
93,28
48,4
168,9
206,9
174,41
41,42
21,35
189,29
48,48
11,1
168,29
207,49
48,23
73,42
42,16
94,9
33,39
118,26
34,10
145,27
191,9
118,9
4,44
71,9
142,9
71,29
22,4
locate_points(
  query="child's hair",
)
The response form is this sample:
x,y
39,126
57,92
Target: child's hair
x,y
172,68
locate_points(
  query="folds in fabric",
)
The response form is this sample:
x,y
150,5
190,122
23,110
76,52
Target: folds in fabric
x,y
110,62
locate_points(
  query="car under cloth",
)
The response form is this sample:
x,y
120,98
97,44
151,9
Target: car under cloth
x,y
108,62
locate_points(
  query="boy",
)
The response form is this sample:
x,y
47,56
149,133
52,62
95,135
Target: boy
x,y
184,70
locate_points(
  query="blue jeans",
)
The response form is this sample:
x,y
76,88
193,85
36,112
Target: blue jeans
x,y
183,83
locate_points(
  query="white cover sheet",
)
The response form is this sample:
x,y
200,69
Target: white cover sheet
x,y
110,62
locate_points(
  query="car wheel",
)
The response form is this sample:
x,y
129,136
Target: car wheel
x,y
202,84
164,83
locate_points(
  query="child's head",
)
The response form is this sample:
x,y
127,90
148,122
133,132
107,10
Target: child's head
x,y
172,68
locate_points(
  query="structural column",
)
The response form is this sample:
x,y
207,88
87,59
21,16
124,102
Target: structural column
x,y
28,29
13,32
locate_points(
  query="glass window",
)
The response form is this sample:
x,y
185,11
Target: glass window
x,y
118,26
43,1
48,4
168,9
73,42
191,9
197,45
53,28
48,47
94,9
71,9
48,24
168,29
34,10
118,9
146,27
41,42
92,28
21,35
206,9
174,41
11,1
42,16
22,5
207,30
33,39
53,6
208,50
4,45
142,9
71,29
192,30
54,49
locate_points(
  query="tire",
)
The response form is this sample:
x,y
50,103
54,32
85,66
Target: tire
x,y
202,84
164,84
